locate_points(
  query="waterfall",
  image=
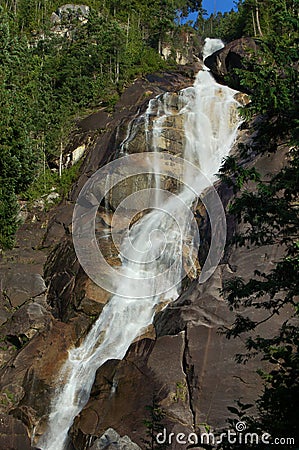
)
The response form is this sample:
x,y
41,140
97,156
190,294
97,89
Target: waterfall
x,y
210,126
211,46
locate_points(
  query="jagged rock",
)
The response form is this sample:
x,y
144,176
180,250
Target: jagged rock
x,y
81,11
20,287
81,8
124,390
35,369
111,440
25,323
231,57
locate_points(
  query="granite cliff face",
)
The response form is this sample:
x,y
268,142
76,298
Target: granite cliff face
x,y
185,366
48,304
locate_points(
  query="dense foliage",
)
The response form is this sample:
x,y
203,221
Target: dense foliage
x,y
269,209
260,18
53,68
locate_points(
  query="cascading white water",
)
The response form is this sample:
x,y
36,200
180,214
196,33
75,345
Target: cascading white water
x,y
211,46
210,121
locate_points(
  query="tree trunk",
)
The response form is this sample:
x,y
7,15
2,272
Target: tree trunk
x,y
257,18
253,23
128,28
117,68
110,70
60,160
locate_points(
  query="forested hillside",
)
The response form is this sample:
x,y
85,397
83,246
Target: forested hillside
x,y
53,72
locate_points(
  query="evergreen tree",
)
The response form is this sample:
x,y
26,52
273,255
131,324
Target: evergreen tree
x,y
270,211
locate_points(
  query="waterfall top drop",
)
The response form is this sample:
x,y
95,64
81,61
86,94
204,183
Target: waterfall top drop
x,y
211,46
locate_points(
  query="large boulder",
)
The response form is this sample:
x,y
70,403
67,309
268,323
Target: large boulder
x,y
29,320
111,440
125,393
232,56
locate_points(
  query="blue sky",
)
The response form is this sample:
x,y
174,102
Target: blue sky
x,y
219,5
211,5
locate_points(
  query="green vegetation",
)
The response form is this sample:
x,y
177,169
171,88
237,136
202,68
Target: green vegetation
x,y
7,398
269,208
154,425
49,180
51,73
181,391
253,18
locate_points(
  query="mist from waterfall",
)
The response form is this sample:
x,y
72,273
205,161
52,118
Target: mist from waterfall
x,y
210,126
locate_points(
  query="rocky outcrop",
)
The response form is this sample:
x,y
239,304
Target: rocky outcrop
x,y
70,8
19,287
69,12
27,321
232,56
111,440
183,47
